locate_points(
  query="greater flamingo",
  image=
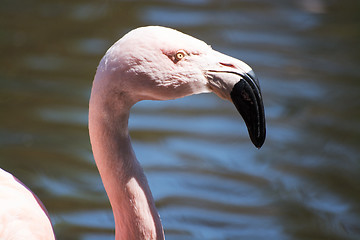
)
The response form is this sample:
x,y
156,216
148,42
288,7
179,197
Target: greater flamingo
x,y
154,63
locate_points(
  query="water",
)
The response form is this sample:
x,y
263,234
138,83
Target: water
x,y
208,181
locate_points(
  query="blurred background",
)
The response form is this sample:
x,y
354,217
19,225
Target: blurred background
x,y
208,180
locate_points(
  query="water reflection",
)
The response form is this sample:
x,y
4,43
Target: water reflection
x,y
207,179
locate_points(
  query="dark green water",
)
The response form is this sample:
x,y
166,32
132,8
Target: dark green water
x,y
208,181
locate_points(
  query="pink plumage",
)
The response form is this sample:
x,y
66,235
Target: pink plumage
x,y
153,63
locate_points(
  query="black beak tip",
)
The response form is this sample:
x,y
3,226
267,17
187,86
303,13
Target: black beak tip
x,y
258,141
246,96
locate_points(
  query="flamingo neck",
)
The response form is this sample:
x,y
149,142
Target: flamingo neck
x,y
125,183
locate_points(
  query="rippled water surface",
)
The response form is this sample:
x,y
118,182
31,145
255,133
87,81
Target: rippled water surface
x,y
208,181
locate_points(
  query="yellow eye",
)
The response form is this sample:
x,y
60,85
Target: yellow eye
x,y
180,55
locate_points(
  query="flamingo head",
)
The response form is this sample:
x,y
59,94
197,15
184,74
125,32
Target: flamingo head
x,y
158,63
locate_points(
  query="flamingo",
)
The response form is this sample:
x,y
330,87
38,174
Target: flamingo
x,y
148,63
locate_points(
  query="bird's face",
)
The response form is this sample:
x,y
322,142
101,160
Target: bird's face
x,y
159,63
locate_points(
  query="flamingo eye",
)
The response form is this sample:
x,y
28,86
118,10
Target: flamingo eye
x,y
180,55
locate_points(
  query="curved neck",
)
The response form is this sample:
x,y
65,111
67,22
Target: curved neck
x,y
125,183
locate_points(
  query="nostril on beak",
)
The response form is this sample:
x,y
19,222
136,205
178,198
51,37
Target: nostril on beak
x,y
228,65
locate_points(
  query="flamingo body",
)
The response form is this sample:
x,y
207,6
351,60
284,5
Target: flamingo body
x,y
22,215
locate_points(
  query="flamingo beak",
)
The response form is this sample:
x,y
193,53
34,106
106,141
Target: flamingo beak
x,y
247,98
238,83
